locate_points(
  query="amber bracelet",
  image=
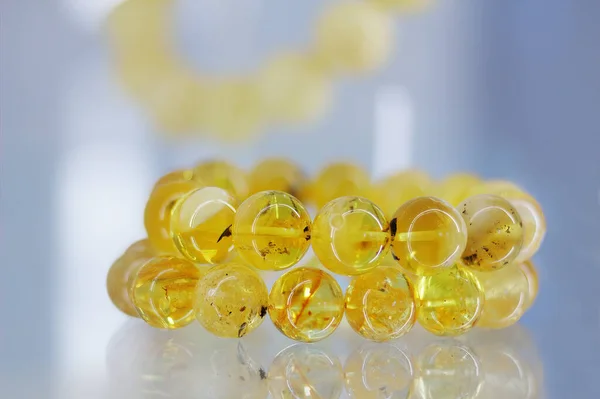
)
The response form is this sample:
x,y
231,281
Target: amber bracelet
x,y
450,267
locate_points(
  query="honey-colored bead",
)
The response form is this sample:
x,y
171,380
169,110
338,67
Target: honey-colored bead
x,y
378,371
223,175
456,187
495,232
277,174
176,175
164,291
350,235
271,230
449,302
428,235
306,304
157,215
399,188
201,224
354,37
380,304
121,274
506,296
305,372
528,268
232,300
338,180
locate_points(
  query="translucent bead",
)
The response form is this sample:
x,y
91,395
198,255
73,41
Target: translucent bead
x,y
277,174
399,188
164,292
354,37
271,230
232,300
455,188
305,372
223,175
495,232
306,304
201,224
121,274
449,302
157,215
350,235
530,272
380,304
338,180
176,175
428,235
506,296
378,371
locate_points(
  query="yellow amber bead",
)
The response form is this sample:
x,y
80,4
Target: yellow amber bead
x,y
338,180
201,224
530,271
157,215
177,175
456,188
223,175
232,300
277,174
350,235
306,304
164,291
399,188
449,302
305,372
495,232
506,296
378,371
428,235
121,274
271,230
380,304
354,37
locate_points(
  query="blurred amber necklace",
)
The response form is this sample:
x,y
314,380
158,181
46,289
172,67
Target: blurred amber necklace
x,y
292,87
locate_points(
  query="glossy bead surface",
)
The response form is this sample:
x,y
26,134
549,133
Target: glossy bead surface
x,y
534,226
272,230
428,234
223,175
164,292
350,235
201,223
530,272
380,304
120,275
450,302
157,215
306,304
232,300
176,175
401,187
506,295
495,232
305,372
338,180
277,174
456,187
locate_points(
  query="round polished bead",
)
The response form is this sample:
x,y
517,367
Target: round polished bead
x,y
232,300
354,37
305,372
121,274
401,187
456,187
271,230
306,304
428,235
201,224
495,232
338,180
177,175
157,215
506,293
378,371
530,272
164,291
277,174
350,235
223,175
449,302
380,304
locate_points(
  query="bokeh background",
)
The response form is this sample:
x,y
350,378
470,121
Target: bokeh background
x,y
505,89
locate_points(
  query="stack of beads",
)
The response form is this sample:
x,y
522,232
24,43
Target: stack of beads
x,y
454,254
